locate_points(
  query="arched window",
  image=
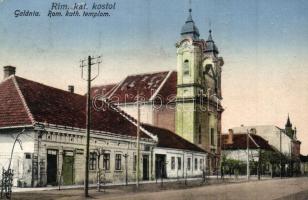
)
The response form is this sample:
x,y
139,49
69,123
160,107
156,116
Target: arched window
x,y
186,67
199,134
207,68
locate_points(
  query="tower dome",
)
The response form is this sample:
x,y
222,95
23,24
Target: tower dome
x,y
189,28
210,44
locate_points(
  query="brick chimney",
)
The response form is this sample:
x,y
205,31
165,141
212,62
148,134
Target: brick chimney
x,y
8,71
230,136
71,88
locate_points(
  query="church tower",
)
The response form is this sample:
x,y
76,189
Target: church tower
x,y
198,108
289,128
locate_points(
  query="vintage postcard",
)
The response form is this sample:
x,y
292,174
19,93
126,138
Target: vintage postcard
x,y
154,99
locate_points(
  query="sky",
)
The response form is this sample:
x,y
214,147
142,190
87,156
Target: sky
x,y
264,45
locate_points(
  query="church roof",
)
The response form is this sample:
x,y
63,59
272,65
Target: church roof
x,y
24,102
102,89
288,124
150,86
189,28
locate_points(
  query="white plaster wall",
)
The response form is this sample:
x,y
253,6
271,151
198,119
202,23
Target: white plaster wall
x,y
271,134
21,167
146,112
175,173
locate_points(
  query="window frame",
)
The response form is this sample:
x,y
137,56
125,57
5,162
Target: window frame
x,y
118,162
186,67
172,163
188,164
200,136
212,132
135,163
92,161
179,159
106,161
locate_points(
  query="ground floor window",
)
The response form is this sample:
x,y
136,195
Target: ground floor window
x,y
196,163
106,161
188,163
118,162
135,163
179,163
92,161
172,163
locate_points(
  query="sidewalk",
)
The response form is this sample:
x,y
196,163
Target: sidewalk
x,y
209,180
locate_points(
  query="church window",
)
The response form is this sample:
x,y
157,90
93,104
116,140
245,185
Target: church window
x,y
186,67
207,68
172,163
199,134
212,136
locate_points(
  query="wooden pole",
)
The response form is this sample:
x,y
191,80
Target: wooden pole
x,y
248,170
88,126
138,144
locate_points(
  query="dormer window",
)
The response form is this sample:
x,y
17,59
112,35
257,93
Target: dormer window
x,y
186,67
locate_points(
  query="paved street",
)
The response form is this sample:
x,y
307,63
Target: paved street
x,y
293,188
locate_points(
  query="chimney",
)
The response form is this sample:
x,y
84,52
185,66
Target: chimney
x,y
71,88
230,136
8,71
253,131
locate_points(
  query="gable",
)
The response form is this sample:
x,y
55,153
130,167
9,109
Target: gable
x,y
12,109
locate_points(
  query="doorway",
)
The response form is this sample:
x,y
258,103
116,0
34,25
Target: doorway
x,y
160,166
68,168
52,163
145,167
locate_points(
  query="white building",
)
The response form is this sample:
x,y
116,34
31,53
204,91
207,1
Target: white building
x,y
270,133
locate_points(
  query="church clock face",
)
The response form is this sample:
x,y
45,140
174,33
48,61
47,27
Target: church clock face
x,y
185,44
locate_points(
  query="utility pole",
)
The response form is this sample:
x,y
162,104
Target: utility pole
x,y
138,143
89,79
280,155
248,170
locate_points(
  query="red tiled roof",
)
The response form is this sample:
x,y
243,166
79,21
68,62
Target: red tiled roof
x,y
240,142
145,84
168,92
168,139
12,109
102,89
54,106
